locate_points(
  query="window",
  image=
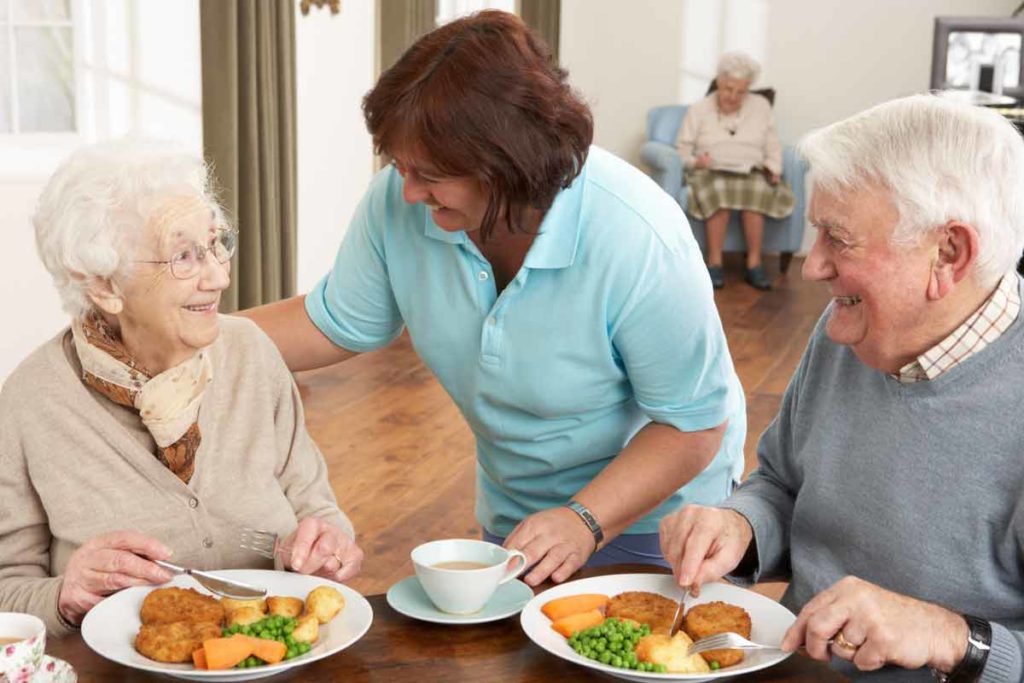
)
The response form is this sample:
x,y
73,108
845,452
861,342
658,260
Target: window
x,y
37,75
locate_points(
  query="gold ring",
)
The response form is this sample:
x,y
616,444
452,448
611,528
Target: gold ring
x,y
841,641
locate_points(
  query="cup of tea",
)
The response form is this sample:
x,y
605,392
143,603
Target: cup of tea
x,y
22,642
460,575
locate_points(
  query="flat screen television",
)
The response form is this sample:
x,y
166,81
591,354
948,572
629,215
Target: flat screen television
x,y
979,53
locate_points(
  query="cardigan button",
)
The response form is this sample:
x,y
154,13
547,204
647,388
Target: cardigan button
x,y
207,542
193,503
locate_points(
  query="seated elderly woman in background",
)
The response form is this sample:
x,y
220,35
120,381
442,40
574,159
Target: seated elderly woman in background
x,y
888,488
152,427
733,161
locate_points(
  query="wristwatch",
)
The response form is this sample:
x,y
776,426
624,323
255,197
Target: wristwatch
x,y
588,519
979,642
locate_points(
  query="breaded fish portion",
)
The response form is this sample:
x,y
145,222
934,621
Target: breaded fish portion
x,y
652,609
658,648
174,642
717,617
168,605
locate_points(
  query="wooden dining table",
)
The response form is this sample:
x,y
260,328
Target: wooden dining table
x,y
398,649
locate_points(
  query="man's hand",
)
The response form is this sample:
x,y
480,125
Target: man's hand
x,y
871,627
703,544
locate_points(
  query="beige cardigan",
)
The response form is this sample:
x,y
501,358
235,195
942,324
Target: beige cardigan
x,y
74,464
754,143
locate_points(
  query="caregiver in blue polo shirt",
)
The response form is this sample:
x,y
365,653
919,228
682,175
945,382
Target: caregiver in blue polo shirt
x,y
554,290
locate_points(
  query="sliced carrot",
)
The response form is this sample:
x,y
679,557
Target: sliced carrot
x,y
559,608
224,653
578,622
199,658
270,651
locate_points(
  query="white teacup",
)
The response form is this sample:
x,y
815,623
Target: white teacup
x,y
469,572
19,660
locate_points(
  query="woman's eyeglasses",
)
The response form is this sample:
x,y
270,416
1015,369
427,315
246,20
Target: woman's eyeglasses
x,y
187,263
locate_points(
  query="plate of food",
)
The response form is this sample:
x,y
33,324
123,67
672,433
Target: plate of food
x,y
179,630
619,624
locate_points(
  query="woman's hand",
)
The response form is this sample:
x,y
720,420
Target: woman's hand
x,y
556,543
319,547
773,178
872,627
703,160
703,544
105,564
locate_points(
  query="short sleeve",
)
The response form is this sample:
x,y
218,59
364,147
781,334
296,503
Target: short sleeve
x,y
354,305
672,344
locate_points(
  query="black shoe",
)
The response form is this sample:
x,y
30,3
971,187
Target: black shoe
x,y
757,278
717,276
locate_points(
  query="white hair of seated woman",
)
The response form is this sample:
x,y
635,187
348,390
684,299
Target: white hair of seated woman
x,y
96,205
738,65
940,161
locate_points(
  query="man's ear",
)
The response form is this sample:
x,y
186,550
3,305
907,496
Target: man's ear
x,y
956,251
106,296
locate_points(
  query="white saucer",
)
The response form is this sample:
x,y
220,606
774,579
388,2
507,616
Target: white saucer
x,y
407,597
53,670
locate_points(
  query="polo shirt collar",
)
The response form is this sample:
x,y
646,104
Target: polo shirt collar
x,y
555,246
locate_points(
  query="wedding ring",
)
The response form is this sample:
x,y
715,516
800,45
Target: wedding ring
x,y
841,641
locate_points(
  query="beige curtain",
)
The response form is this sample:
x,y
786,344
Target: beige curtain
x,y
545,17
248,64
401,23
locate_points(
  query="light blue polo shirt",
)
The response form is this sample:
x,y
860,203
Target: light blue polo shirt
x,y
609,324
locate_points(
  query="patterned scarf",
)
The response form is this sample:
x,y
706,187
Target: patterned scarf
x,y
168,403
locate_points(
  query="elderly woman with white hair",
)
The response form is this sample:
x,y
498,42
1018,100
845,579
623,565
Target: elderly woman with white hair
x,y
733,162
888,490
151,427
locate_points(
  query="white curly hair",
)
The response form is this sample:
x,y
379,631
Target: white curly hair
x,y
738,65
95,207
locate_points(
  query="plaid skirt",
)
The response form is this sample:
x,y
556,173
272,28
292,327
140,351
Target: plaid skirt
x,y
708,191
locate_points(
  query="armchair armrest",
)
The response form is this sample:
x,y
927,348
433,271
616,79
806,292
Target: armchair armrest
x,y
665,164
794,172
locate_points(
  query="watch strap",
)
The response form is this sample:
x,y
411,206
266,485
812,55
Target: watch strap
x,y
588,519
979,642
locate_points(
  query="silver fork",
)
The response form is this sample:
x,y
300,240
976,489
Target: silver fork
x,y
263,543
727,641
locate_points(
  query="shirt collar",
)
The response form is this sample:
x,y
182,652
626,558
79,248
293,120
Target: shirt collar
x,y
982,328
555,246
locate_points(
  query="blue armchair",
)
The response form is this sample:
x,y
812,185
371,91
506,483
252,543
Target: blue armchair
x,y
659,152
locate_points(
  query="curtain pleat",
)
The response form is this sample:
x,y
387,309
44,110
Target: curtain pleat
x,y
545,17
249,138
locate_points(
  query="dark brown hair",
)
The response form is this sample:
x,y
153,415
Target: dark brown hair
x,y
483,97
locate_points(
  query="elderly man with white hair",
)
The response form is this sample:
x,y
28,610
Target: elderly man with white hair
x,y
889,486
151,425
733,162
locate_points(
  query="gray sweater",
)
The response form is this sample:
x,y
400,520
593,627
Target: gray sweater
x,y
914,487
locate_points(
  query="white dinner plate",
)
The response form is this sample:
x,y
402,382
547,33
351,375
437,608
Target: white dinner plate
x,y
110,627
769,621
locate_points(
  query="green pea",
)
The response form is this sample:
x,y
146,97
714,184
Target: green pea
x,y
714,665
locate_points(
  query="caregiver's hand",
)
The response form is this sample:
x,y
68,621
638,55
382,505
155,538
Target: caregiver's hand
x,y
556,542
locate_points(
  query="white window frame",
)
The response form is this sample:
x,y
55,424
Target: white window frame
x,y
27,157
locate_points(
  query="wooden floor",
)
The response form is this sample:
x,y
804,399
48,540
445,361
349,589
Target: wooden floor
x,y
402,459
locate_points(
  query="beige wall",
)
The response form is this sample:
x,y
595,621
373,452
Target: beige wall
x,y
827,59
624,58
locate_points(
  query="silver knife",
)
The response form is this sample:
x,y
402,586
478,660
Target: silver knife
x,y
680,610
227,588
